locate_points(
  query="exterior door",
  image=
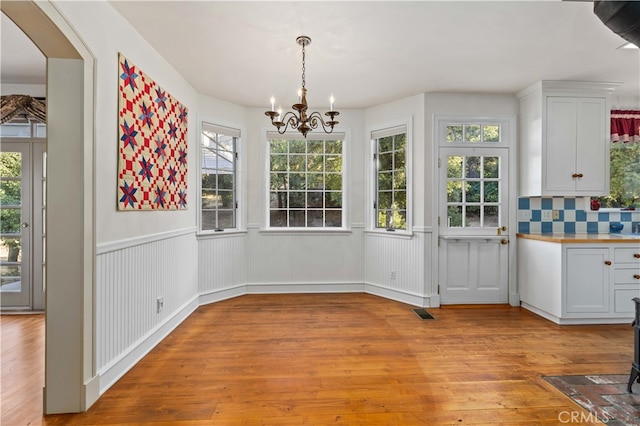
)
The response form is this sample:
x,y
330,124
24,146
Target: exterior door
x,y
15,184
22,210
473,212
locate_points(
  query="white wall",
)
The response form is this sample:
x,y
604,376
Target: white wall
x,y
35,90
106,33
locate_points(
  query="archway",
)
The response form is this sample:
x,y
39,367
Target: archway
x,y
71,384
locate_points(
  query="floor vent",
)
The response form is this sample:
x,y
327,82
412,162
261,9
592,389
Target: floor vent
x,y
423,314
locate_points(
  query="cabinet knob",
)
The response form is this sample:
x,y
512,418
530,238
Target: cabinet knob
x,y
636,255
636,276
574,175
607,262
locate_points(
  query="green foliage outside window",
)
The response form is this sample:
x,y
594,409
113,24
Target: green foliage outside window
x,y
625,177
391,191
10,195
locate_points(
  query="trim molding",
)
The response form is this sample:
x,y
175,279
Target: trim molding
x,y
278,288
138,241
214,296
397,295
119,367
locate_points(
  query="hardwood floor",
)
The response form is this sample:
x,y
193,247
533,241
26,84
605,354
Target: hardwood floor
x,y
340,359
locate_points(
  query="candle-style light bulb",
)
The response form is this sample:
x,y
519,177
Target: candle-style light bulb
x,y
279,113
273,103
331,101
299,95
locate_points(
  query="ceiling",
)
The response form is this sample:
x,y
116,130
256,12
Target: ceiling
x,y
367,53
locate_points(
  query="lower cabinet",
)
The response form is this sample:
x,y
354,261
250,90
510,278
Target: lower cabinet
x,y
579,283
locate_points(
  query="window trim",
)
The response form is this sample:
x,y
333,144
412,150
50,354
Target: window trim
x,y
228,130
382,130
337,134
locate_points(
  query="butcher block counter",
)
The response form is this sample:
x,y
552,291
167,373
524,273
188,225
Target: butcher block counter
x,y
579,278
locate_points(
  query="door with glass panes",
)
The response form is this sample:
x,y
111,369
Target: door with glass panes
x,y
473,212
21,224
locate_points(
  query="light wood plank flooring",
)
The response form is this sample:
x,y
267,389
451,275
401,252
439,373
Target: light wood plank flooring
x,y
333,359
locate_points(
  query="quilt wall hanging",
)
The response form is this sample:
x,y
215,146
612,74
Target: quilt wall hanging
x,y
152,143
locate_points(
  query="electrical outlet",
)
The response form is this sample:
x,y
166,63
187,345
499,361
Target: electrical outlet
x,y
556,214
547,215
159,304
392,274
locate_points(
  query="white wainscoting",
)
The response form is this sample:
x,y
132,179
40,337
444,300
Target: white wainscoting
x,y
304,262
222,267
130,276
406,258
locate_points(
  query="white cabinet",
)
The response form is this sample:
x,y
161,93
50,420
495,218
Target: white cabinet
x,y
564,134
579,283
586,280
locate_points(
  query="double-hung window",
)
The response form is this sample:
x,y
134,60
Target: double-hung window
x,y
306,181
219,181
390,148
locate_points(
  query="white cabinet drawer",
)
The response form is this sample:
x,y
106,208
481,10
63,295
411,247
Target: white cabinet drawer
x,y
627,255
627,276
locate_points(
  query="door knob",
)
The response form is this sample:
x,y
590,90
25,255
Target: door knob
x,y
504,242
24,224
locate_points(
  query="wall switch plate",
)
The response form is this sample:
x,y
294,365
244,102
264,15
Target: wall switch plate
x,y
392,274
159,304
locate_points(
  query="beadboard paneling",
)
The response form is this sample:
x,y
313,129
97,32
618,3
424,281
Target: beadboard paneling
x,y
221,263
128,282
408,258
308,259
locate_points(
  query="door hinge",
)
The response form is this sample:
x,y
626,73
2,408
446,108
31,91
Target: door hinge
x,y
375,157
439,163
236,155
438,289
438,220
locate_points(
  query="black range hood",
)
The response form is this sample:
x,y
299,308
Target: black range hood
x,y
622,17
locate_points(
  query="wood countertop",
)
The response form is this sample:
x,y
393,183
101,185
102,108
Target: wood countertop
x,y
581,238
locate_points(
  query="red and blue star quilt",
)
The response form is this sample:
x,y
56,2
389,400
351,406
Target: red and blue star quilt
x,y
152,143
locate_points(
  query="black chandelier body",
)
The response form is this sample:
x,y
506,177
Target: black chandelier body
x,y
301,120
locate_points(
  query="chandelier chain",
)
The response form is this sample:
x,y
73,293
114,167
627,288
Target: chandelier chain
x,y
303,67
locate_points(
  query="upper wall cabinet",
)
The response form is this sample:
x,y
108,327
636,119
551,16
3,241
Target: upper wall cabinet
x,y
564,138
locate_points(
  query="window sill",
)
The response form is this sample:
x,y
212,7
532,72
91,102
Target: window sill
x,y
204,235
394,234
301,231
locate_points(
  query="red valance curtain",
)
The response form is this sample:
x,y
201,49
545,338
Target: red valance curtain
x,y
625,126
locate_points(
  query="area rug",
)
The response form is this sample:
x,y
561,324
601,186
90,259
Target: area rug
x,y
605,398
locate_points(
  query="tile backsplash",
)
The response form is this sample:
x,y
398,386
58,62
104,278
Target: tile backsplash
x,y
573,215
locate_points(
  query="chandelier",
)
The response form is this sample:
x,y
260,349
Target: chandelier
x,y
299,119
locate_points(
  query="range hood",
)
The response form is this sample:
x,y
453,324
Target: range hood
x,y
622,17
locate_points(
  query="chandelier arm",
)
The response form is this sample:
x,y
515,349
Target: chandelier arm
x,y
316,117
289,119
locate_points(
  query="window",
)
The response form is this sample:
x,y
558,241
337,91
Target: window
x,y
390,159
624,172
219,182
306,182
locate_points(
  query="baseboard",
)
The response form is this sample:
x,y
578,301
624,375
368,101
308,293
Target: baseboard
x,y
119,367
398,296
214,296
279,288
576,321
514,299
91,392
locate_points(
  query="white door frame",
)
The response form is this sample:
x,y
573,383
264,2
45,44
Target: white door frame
x,y
510,138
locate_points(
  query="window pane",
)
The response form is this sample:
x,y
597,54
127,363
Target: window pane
x,y
315,181
297,218
314,199
10,193
226,199
334,182
472,133
278,218
491,194
399,160
472,169
315,219
315,163
297,199
297,181
10,164
333,147
333,199
385,144
491,167
400,199
454,166
400,180
472,192
10,249
316,147
624,176
454,191
491,133
333,163
400,142
472,219
385,181
491,218
226,219
385,161
225,181
278,200
297,163
454,133
279,146
279,163
454,216
333,218
298,146
10,220
10,280
279,180
385,200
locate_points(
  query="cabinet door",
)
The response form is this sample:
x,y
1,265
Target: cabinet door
x,y
559,162
587,277
592,148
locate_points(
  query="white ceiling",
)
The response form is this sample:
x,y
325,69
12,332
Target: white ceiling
x,y
366,53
